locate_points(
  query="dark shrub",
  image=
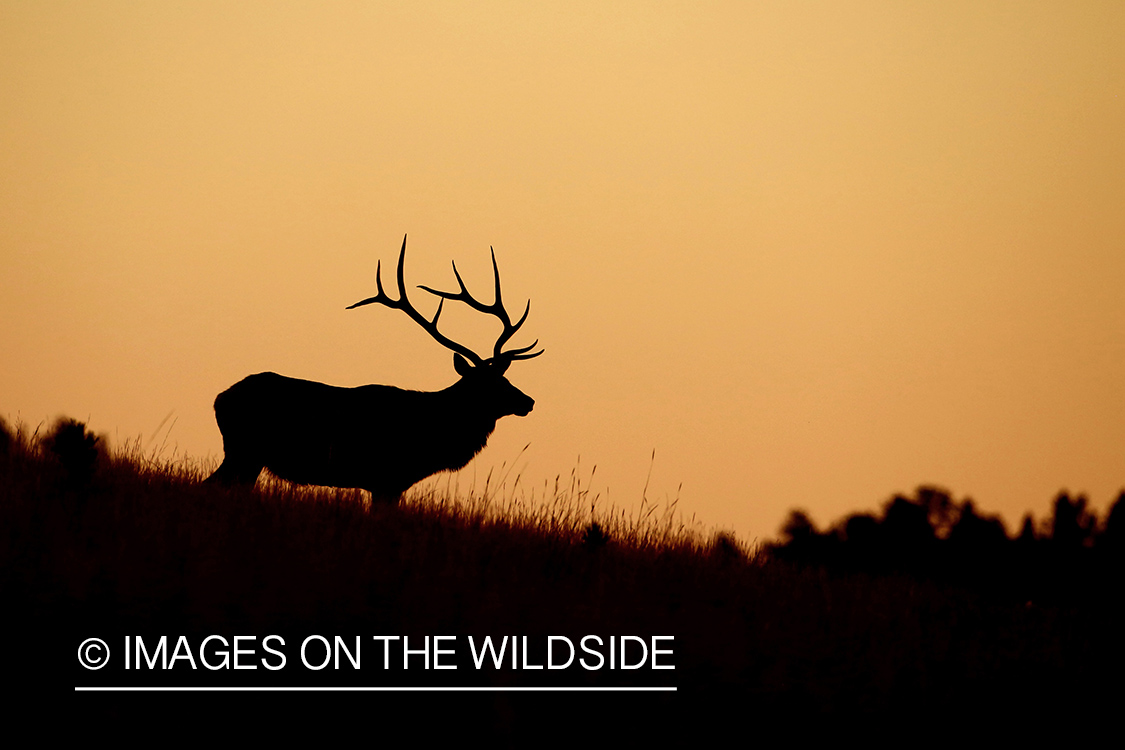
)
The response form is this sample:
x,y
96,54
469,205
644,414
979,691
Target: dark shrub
x,y
76,449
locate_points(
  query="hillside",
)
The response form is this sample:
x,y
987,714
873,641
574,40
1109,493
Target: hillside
x,y
114,546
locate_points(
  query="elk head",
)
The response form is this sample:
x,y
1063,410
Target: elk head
x,y
484,378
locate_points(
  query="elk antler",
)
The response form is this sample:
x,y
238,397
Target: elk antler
x,y
402,303
500,357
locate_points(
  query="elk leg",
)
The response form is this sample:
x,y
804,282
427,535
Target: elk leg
x,y
384,496
232,473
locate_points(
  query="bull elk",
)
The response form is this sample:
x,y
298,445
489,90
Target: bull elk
x,y
375,437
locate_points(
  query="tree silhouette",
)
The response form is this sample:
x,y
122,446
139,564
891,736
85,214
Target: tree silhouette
x,y
932,536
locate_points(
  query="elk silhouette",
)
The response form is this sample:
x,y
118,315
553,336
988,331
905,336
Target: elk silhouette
x,y
375,437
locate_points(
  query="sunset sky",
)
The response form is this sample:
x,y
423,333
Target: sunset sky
x,y
810,253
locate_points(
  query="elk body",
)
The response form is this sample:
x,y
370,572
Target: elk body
x,y
375,437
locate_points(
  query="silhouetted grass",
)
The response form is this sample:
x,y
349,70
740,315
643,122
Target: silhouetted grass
x,y
134,545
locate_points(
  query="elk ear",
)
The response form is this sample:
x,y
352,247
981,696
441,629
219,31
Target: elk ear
x,y
462,367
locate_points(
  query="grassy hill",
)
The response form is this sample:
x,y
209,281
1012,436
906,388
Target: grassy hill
x,y
94,544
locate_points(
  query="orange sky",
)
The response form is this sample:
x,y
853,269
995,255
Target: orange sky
x,y
810,253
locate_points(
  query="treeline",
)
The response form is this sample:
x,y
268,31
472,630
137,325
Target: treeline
x,y
1072,557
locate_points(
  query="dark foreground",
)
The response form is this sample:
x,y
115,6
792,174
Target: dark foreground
x,y
94,546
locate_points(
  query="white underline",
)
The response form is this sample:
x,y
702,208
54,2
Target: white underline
x,y
431,689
